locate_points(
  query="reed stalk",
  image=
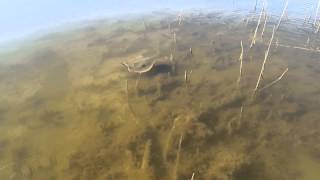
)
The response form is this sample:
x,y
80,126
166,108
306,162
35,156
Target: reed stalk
x,y
299,48
146,155
256,30
274,81
317,11
282,14
318,28
308,42
175,170
264,62
187,76
241,62
255,6
180,17
264,24
240,117
168,141
192,176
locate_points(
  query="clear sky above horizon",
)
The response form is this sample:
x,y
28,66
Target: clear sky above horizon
x,y
19,18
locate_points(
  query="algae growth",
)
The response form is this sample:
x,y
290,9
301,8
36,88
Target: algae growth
x,y
70,110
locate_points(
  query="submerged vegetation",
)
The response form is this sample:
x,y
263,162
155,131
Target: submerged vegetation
x,y
70,110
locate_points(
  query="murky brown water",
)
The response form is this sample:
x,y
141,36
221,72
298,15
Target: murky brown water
x,y
70,110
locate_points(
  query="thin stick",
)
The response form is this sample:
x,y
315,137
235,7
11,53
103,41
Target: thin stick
x,y
175,175
240,59
275,81
255,6
180,17
174,42
317,11
264,61
308,42
318,28
283,12
146,155
168,141
264,24
185,76
192,176
300,48
256,30
240,117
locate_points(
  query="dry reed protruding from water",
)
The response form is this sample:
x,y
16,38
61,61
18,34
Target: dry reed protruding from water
x,y
308,42
317,11
264,24
240,117
187,76
264,61
192,176
168,142
253,42
146,156
299,48
275,81
283,13
255,6
241,61
174,41
175,170
318,28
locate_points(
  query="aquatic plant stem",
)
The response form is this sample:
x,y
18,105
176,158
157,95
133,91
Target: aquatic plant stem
x,y
253,41
175,170
264,61
264,24
192,176
283,12
255,6
240,116
146,155
317,11
168,142
241,62
318,27
187,77
275,81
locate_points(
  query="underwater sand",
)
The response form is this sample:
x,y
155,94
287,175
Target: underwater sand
x,y
70,110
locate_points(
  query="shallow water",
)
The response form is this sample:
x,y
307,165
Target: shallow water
x,y
70,110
